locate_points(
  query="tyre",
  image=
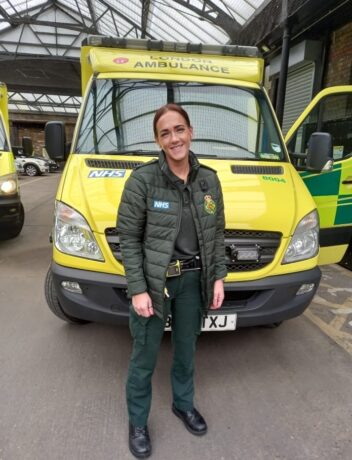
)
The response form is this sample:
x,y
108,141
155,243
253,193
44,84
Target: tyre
x,y
54,304
347,258
31,170
14,230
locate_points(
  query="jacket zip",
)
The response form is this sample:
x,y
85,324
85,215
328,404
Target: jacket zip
x,y
179,216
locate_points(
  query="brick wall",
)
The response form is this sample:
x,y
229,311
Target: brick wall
x,y
35,132
339,69
21,126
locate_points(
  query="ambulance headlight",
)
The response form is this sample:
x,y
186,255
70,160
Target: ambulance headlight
x,y
8,184
305,240
72,234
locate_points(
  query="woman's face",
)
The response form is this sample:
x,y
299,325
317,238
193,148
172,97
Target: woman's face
x,y
174,137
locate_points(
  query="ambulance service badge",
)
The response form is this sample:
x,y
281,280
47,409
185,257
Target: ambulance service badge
x,y
209,204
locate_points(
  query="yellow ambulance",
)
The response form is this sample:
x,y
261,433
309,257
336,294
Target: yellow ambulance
x,y
272,224
331,112
11,208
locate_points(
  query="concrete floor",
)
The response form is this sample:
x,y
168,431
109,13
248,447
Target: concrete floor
x,y
266,393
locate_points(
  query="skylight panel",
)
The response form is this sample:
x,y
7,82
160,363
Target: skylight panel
x,y
182,25
17,6
79,6
240,10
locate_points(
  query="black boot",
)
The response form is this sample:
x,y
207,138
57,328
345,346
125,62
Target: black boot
x,y
192,420
139,441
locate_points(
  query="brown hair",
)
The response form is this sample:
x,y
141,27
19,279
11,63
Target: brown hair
x,y
169,108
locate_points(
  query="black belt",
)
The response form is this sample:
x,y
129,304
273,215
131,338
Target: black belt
x,y
177,267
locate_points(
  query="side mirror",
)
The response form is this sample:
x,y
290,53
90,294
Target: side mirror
x,y
55,140
320,153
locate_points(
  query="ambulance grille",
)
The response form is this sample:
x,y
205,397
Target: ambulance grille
x,y
248,169
113,240
264,243
113,164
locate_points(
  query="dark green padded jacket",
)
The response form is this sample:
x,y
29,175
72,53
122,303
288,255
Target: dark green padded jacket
x,y
148,221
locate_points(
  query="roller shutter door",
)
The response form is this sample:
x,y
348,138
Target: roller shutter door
x,y
299,90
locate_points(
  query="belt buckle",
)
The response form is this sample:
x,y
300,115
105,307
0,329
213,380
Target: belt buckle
x,y
174,269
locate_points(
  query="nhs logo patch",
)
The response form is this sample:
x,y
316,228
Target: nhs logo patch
x,y
161,204
101,173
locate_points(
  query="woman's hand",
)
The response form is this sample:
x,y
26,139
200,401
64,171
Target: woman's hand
x,y
142,304
218,296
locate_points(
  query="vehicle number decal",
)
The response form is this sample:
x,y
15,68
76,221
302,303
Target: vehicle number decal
x,y
278,180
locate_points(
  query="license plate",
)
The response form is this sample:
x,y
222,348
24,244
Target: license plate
x,y
213,323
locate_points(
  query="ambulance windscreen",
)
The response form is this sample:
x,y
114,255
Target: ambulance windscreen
x,y
229,122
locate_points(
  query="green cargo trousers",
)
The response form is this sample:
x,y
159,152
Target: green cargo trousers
x,y
185,305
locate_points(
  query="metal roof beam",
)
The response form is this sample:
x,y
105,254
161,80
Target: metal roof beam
x,y
19,41
82,16
48,103
25,13
145,17
222,20
7,17
66,10
125,18
40,41
237,12
93,15
25,17
56,89
5,52
42,8
30,21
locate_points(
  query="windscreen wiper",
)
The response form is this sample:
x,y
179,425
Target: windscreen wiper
x,y
205,155
132,152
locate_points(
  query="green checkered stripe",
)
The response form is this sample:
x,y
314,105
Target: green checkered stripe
x,y
335,207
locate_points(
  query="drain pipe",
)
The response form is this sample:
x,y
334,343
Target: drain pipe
x,y
281,91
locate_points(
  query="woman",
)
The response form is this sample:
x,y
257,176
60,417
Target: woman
x,y
171,227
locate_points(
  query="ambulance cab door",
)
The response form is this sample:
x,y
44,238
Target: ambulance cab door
x,y
330,111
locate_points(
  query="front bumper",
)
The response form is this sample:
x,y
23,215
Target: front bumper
x,y
10,210
270,300
259,302
103,298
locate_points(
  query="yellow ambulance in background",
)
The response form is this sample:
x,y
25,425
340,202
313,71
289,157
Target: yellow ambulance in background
x,y
272,224
11,208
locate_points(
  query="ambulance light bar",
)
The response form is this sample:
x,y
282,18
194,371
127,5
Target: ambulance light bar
x,y
178,47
